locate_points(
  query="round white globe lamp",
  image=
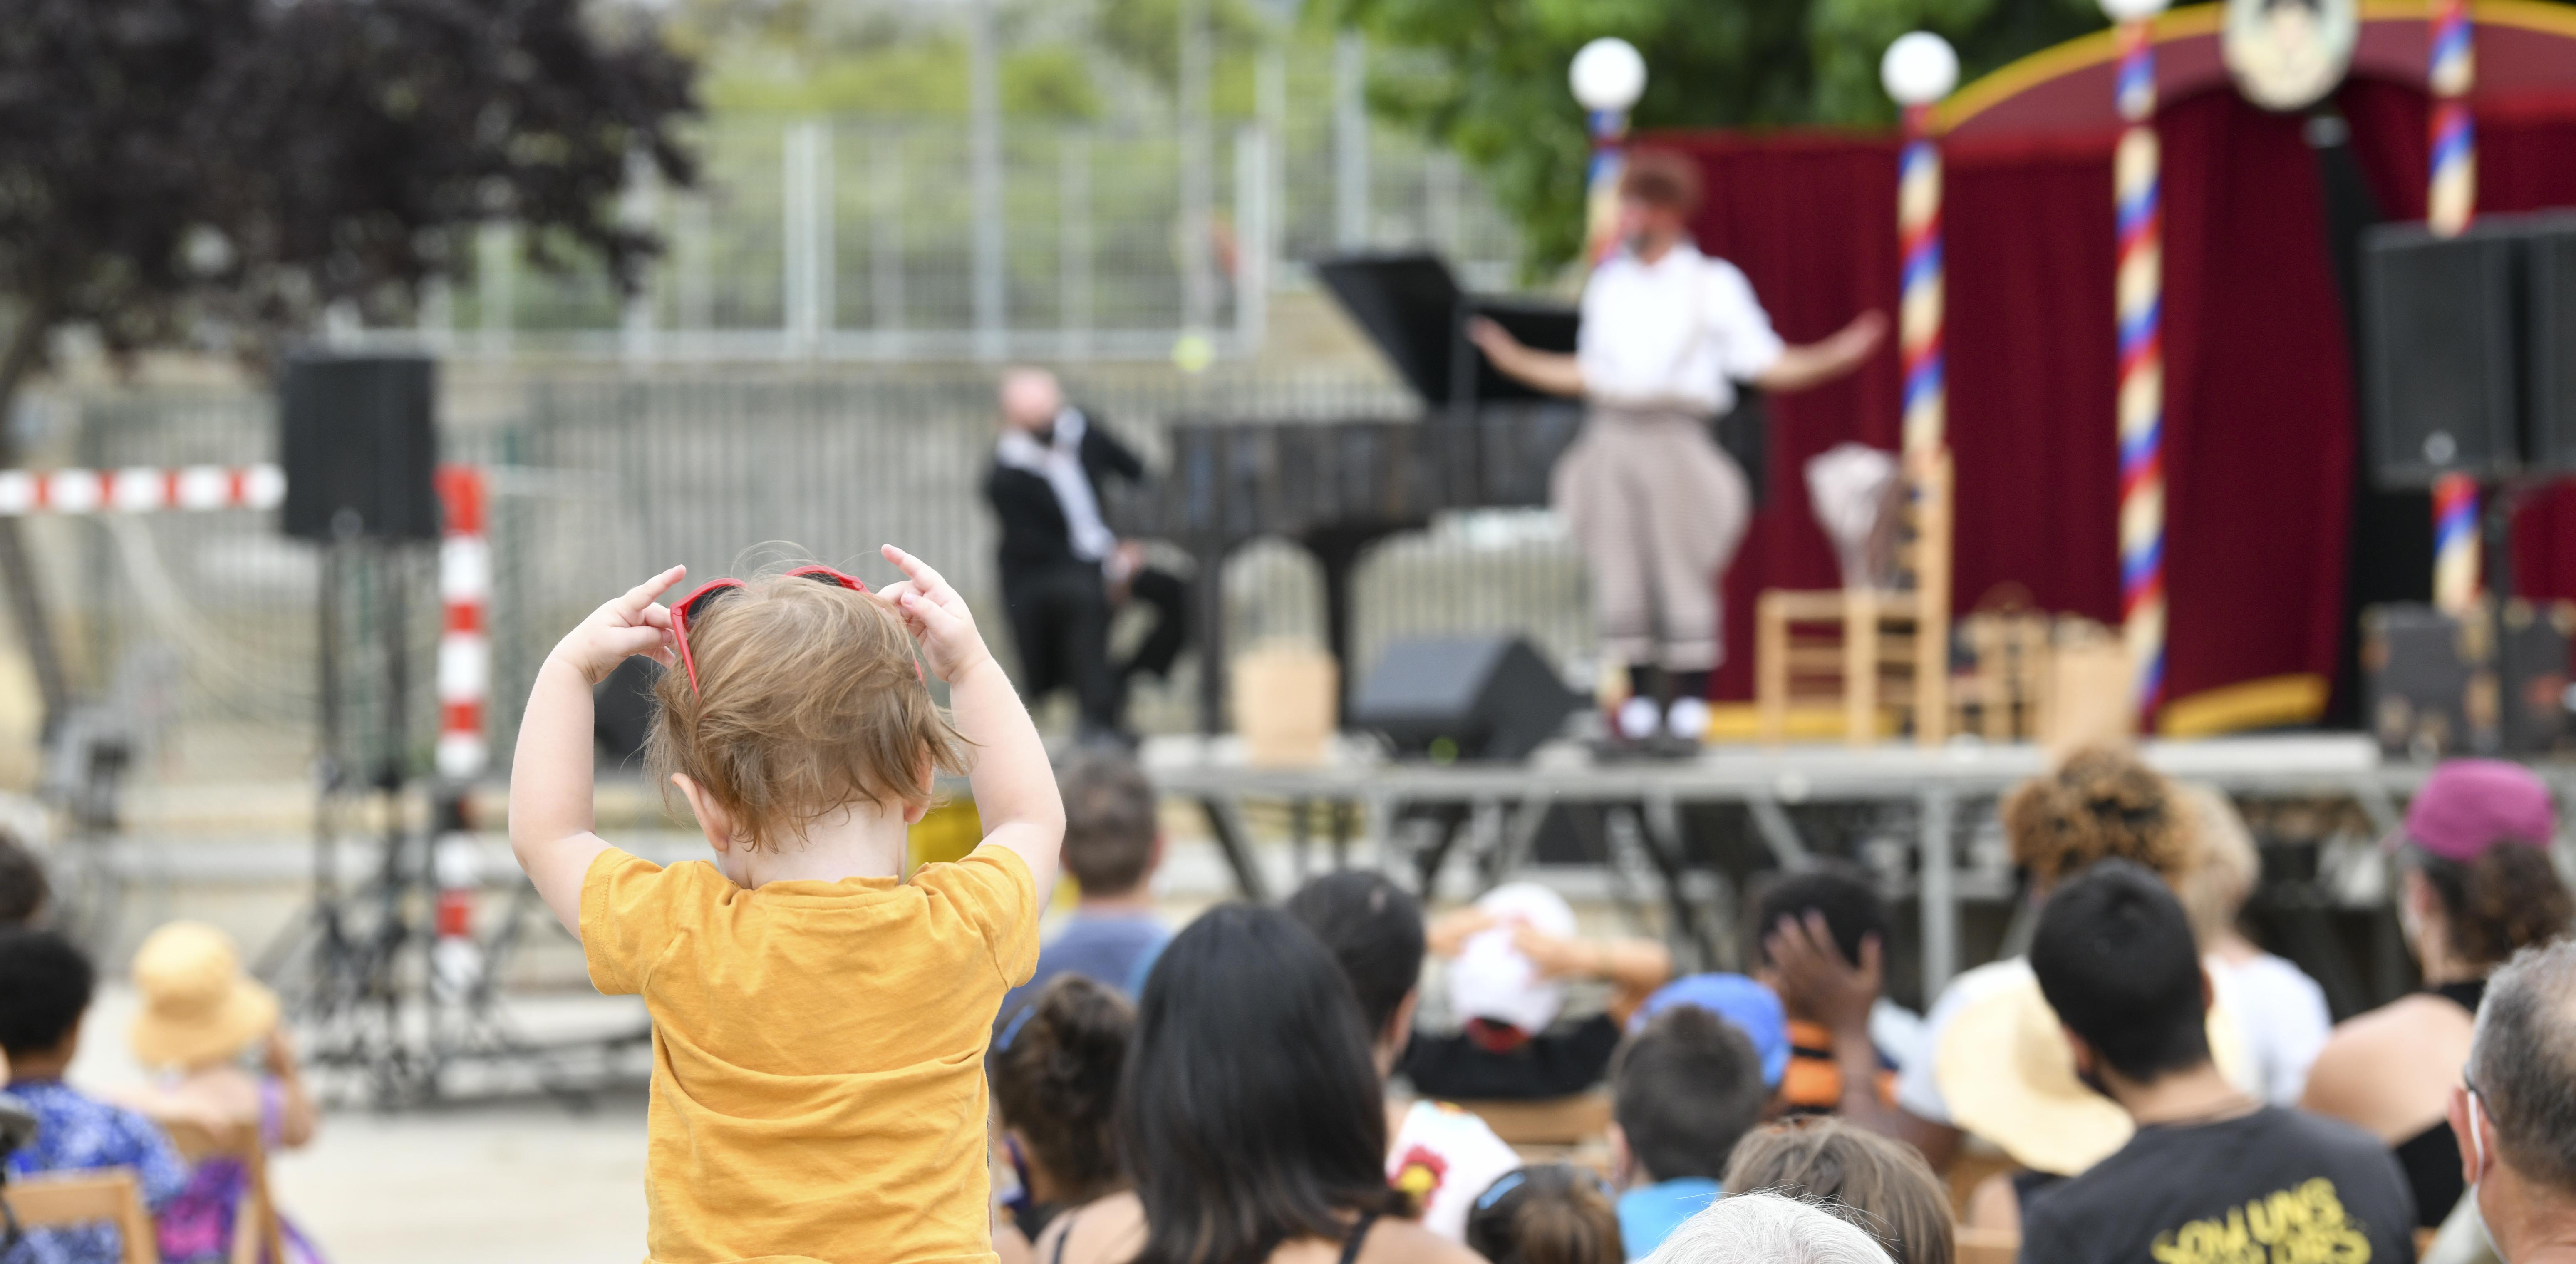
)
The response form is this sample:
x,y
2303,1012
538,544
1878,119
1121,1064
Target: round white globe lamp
x,y
2133,10
1919,69
1609,74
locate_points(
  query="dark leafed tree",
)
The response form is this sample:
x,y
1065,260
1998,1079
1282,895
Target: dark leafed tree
x,y
219,173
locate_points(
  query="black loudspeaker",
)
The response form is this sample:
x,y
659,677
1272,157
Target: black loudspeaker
x,y
359,447
2549,296
1485,698
2440,326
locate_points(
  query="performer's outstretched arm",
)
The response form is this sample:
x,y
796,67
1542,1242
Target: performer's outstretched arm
x,y
1554,372
1817,363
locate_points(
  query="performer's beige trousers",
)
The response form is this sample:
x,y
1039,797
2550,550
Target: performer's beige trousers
x,y
1658,509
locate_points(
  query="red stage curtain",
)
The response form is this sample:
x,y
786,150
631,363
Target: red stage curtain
x,y
1811,218
2258,429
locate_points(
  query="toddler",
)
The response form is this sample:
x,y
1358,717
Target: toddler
x,y
1554,1213
819,1021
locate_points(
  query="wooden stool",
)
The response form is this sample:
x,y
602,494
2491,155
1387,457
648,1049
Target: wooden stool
x,y
1869,648
258,1235
71,1199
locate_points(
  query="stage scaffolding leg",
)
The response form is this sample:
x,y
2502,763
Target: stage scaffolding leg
x,y
1778,832
1226,826
1940,893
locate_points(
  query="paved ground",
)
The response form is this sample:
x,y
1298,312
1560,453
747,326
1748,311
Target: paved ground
x,y
497,1184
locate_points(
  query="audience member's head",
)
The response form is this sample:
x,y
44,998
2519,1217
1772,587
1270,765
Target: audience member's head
x,y
1374,929
24,892
2226,864
1056,1083
1839,892
2101,804
1111,841
1879,1184
1250,1112
45,987
199,1008
1744,1003
1553,1213
1503,996
1030,398
2479,885
2116,960
1767,1229
1683,1091
796,701
2516,1116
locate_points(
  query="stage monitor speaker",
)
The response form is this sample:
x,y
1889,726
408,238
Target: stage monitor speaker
x,y
2440,328
1482,698
359,447
2549,347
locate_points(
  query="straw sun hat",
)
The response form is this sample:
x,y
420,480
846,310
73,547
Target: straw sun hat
x,y
198,1006
2008,1075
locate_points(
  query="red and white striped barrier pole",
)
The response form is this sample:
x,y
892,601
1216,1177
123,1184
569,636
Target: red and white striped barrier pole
x,y
464,681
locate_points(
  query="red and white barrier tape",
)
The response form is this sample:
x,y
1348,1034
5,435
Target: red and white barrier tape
x,y
141,489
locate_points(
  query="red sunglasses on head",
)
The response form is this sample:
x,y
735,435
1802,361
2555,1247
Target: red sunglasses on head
x,y
690,609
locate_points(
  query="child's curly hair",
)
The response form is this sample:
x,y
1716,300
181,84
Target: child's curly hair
x,y
808,701
2099,804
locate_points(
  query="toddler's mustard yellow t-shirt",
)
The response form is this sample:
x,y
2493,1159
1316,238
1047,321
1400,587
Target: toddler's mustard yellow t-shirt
x,y
818,1076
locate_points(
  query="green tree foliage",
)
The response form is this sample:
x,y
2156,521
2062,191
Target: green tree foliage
x,y
1487,77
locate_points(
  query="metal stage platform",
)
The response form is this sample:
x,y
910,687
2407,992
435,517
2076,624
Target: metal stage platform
x,y
1412,819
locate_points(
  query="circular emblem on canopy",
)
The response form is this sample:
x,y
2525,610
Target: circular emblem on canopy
x,y
2288,54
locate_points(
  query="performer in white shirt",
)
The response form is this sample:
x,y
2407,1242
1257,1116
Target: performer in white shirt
x,y
1657,506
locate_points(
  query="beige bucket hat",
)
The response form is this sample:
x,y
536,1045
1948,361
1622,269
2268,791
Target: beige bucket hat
x,y
198,1006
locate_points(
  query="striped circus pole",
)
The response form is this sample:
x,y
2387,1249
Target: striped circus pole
x,y
2450,204
2453,71
464,680
1607,76
1918,70
2455,543
2142,369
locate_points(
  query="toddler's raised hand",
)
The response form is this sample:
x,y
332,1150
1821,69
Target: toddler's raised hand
x,y
627,625
936,616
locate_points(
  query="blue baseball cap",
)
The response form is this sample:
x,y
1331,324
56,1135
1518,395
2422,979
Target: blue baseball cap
x,y
1749,1006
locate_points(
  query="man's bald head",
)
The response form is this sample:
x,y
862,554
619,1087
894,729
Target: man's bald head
x,y
2523,1064
1030,398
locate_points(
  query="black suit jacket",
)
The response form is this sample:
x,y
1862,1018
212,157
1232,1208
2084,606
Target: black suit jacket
x,y
1034,534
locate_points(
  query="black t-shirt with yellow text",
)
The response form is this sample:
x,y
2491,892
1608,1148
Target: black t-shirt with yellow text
x,y
2272,1187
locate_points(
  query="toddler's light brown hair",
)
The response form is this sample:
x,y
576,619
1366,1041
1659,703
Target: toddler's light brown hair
x,y
808,701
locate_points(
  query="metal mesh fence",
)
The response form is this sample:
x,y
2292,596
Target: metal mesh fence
x,y
602,479
854,238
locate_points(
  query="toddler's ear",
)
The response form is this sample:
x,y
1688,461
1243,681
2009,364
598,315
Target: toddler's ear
x,y
712,820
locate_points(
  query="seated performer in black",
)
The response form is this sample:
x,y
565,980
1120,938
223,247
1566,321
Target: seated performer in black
x,y
1064,572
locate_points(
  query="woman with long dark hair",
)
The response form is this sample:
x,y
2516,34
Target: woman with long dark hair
x,y
1250,1114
